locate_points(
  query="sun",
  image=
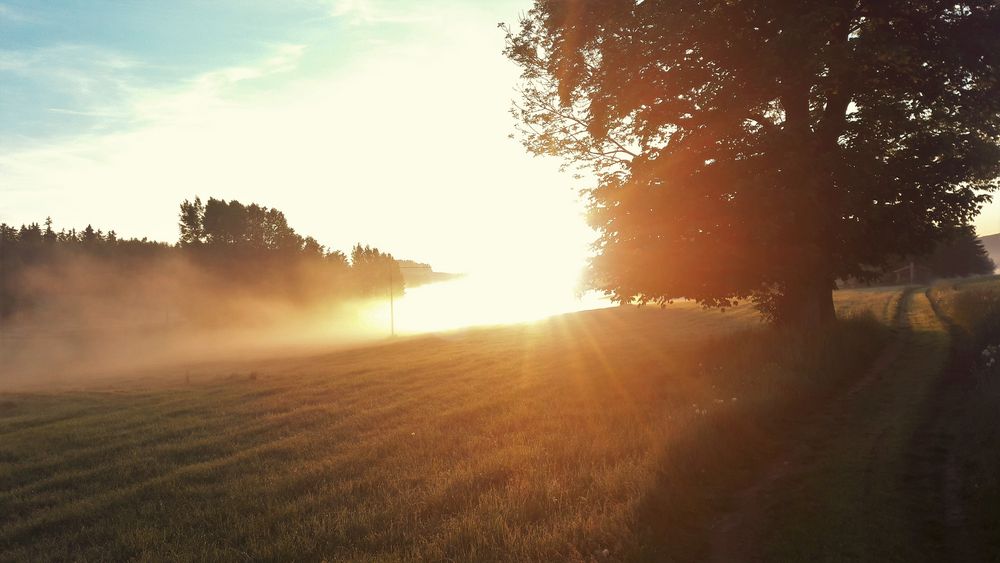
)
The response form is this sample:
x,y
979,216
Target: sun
x,y
528,292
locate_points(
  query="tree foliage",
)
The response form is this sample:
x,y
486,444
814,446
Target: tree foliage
x,y
219,222
960,255
378,269
763,149
247,250
31,248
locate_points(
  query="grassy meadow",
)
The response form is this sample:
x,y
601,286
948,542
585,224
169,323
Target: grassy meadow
x,y
604,435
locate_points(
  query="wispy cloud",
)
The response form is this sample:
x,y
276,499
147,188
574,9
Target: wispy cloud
x,y
199,94
106,90
284,58
84,113
16,15
371,12
70,67
90,84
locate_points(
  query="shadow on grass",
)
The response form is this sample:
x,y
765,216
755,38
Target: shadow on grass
x,y
770,382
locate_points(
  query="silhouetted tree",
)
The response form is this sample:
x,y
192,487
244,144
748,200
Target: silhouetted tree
x,y
224,222
256,227
49,236
279,235
337,259
311,248
763,149
230,223
960,255
31,247
8,235
89,236
192,222
30,234
9,263
375,271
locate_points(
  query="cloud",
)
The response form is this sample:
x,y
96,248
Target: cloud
x,y
46,60
101,90
373,12
82,112
82,73
15,15
284,58
207,92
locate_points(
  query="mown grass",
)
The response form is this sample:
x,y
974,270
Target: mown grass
x,y
606,435
850,496
906,470
882,302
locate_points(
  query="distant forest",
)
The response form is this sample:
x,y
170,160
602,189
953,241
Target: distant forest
x,y
960,254
227,251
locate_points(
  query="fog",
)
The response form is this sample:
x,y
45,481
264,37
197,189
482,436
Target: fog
x,y
91,319
94,321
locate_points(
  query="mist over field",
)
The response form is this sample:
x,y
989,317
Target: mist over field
x,y
93,319
97,319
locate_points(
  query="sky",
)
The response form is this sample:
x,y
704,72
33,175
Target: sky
x,y
376,121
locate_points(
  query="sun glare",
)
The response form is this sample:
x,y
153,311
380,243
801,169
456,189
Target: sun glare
x,y
487,298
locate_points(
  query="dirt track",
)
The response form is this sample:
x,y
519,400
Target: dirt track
x,y
875,476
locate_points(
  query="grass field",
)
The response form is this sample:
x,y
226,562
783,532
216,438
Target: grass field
x,y
604,435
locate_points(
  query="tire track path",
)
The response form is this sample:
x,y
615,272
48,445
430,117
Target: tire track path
x,y
835,496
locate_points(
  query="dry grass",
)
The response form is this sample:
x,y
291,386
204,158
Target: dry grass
x,y
618,430
883,302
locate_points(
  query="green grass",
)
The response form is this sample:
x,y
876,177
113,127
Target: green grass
x,y
619,430
906,470
848,500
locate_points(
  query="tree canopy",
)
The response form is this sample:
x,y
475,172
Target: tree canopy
x,y
221,222
377,268
763,149
962,254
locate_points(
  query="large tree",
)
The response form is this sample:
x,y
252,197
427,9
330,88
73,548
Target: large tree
x,y
763,149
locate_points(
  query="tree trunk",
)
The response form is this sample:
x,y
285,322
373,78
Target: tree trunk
x,y
808,305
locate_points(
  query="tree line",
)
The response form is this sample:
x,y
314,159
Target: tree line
x,y
233,248
959,254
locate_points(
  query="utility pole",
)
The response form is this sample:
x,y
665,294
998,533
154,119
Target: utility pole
x,y
392,307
